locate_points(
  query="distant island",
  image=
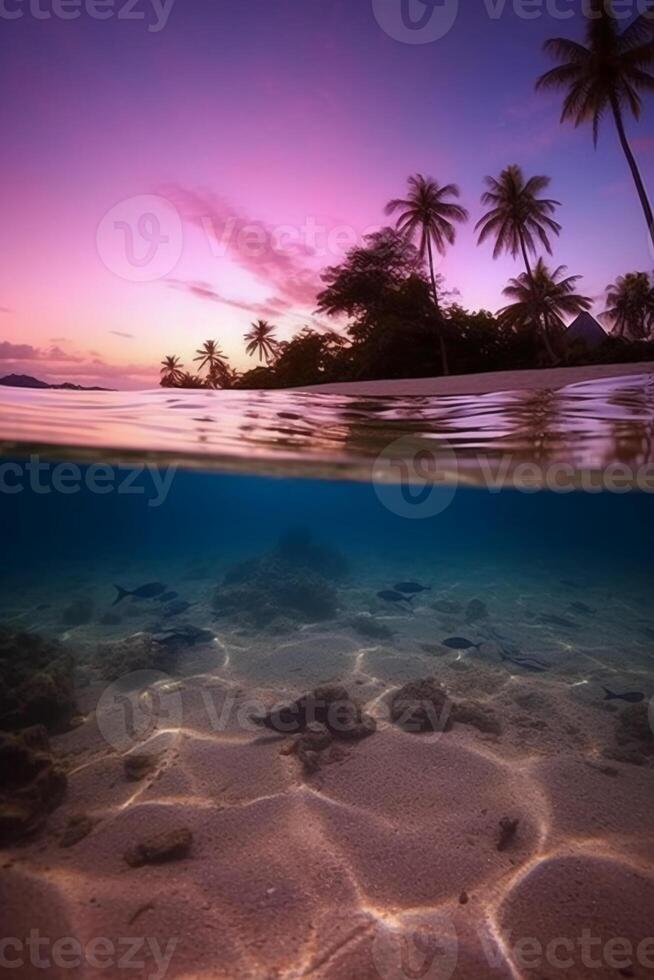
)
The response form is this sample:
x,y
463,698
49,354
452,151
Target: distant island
x,y
27,381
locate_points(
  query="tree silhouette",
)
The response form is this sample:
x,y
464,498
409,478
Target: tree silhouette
x,y
606,75
630,306
172,371
518,219
426,215
541,299
260,339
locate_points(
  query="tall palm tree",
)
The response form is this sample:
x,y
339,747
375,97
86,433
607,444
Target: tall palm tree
x,y
427,214
518,218
171,371
630,306
606,75
260,338
543,298
210,355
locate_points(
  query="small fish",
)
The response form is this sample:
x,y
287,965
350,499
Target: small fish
x,y
633,697
460,643
149,591
167,597
177,608
389,596
411,588
582,608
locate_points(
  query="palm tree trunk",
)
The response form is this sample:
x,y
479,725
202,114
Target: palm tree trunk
x,y
441,339
635,172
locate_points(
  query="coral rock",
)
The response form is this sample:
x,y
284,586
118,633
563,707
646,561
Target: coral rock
x,y
168,846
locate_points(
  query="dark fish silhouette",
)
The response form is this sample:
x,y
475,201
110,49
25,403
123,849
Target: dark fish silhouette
x,y
149,591
581,607
187,635
167,597
633,697
460,643
389,596
177,608
411,588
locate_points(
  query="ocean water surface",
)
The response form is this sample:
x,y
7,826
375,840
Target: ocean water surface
x,y
295,681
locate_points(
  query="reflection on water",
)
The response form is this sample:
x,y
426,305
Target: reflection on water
x,y
586,425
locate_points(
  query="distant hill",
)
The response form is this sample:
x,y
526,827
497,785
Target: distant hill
x,y
585,329
26,381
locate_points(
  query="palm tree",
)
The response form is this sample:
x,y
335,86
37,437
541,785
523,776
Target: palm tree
x,y
630,306
542,298
210,355
171,371
518,218
606,75
260,339
428,215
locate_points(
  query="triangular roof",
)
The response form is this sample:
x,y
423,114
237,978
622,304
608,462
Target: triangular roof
x,y
587,329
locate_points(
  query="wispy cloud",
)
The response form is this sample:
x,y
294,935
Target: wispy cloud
x,y
276,306
122,333
252,244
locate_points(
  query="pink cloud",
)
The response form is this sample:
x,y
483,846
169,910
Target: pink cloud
x,y
276,306
254,245
11,352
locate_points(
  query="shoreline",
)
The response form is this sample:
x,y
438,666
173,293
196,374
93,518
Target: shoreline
x,y
483,384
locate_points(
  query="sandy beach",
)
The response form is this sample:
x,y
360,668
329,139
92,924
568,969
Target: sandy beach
x,y
480,384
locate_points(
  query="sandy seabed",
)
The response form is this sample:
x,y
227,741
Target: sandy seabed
x,y
385,863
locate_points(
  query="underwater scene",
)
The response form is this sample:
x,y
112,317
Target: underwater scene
x,y
276,726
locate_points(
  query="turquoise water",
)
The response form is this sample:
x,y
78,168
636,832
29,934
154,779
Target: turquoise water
x,y
530,607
